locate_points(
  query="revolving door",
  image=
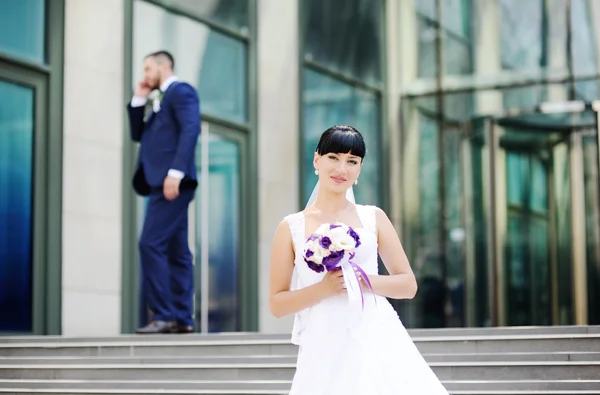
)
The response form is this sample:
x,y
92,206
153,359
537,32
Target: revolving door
x,y
531,218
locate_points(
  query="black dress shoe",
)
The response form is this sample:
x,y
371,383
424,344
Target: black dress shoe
x,y
157,327
184,329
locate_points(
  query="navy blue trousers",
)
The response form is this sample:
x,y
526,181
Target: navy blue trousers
x,y
166,258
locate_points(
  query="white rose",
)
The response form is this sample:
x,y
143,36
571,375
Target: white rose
x,y
318,255
344,242
337,233
323,230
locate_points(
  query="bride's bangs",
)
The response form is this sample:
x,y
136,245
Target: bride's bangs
x,y
343,142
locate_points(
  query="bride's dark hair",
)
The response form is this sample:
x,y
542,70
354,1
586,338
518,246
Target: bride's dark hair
x,y
342,139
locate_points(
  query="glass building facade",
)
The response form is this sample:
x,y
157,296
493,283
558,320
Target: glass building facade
x,y
500,161
481,123
29,71
342,82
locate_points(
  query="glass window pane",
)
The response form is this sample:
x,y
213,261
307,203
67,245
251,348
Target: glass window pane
x,y
538,193
517,168
584,43
224,223
345,35
230,13
457,37
22,29
328,102
213,63
16,207
456,14
426,8
428,58
521,24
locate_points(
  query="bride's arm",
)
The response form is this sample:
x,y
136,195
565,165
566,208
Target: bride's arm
x,y
401,282
282,301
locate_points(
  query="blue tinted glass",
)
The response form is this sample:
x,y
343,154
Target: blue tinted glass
x,y
223,238
213,63
345,35
231,13
16,161
584,53
516,177
328,102
22,27
521,26
223,78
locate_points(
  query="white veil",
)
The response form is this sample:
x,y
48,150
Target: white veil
x,y
296,281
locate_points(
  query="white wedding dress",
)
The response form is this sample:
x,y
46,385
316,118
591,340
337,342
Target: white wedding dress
x,y
348,352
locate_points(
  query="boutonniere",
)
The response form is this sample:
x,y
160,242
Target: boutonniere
x,y
156,98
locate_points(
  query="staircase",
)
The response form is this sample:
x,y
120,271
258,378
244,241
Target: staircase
x,y
499,361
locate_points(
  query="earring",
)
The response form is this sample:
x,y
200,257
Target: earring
x,y
356,182
316,172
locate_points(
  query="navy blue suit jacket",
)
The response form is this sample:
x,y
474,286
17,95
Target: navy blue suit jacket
x,y
168,138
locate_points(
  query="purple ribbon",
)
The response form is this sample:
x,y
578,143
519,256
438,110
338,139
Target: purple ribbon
x,y
362,272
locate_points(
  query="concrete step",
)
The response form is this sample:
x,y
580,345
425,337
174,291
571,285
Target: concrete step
x,y
291,359
544,360
441,332
10,391
279,387
196,345
284,371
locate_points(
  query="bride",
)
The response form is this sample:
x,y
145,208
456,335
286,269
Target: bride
x,y
344,350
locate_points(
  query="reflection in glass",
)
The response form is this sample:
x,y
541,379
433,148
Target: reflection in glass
x,y
223,78
428,58
457,40
223,238
522,29
16,210
475,207
345,35
211,62
454,235
524,97
22,29
584,41
230,13
427,257
562,252
327,102
527,268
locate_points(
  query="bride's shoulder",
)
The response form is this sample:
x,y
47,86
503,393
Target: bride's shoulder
x,y
292,222
375,211
294,217
371,208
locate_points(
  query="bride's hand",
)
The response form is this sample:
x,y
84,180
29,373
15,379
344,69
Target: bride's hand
x,y
334,282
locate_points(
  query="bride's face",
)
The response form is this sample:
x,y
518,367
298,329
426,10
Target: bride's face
x,y
337,171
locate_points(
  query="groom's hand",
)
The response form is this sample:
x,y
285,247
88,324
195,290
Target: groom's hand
x,y
171,187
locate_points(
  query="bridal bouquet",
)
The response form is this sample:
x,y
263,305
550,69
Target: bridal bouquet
x,y
332,247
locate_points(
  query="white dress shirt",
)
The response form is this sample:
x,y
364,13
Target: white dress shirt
x,y
139,101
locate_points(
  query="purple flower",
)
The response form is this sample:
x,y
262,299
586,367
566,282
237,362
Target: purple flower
x,y
325,242
333,259
355,236
309,253
313,266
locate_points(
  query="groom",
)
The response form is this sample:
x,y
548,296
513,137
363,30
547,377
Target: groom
x,y
166,173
